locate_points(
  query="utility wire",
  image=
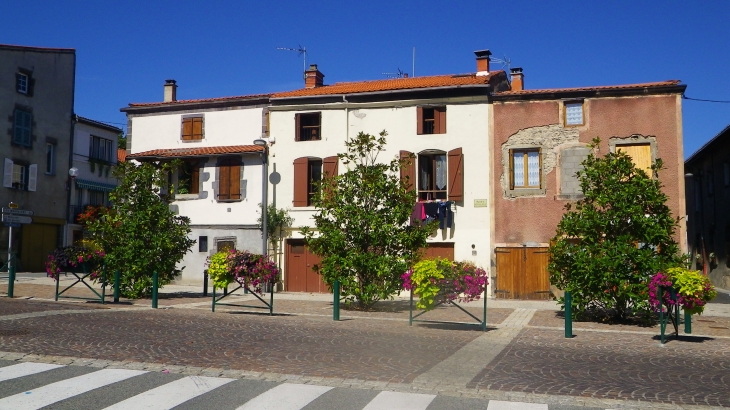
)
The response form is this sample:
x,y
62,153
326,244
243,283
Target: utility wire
x,y
699,99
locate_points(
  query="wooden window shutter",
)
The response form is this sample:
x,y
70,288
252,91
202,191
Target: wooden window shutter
x,y
32,177
197,128
8,173
408,169
439,116
234,190
224,179
187,128
511,169
329,165
456,175
640,155
419,120
297,126
301,182
195,179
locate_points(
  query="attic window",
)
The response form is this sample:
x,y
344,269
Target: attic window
x,y
574,113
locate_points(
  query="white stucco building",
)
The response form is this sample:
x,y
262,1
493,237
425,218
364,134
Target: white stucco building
x,y
218,186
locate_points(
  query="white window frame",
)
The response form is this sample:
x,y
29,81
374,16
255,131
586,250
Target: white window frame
x,y
431,192
20,177
23,86
102,150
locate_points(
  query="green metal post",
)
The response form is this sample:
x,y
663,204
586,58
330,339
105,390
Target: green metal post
x,y
484,317
116,286
11,280
155,280
103,284
271,299
662,324
687,323
410,310
212,309
58,279
568,315
336,302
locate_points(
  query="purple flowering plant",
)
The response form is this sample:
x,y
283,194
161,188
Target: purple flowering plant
x,y
440,280
693,290
75,258
246,268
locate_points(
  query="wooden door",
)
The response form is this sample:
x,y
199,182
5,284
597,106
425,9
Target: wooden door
x,y
300,275
522,273
38,240
440,250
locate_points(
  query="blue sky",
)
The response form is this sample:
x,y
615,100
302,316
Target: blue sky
x,y
126,49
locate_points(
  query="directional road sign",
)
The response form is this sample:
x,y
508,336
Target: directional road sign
x,y
11,211
17,219
11,225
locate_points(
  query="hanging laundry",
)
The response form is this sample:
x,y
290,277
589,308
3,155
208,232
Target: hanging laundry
x,y
445,215
418,215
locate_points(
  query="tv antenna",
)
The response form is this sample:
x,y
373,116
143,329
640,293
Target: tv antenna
x,y
505,61
398,74
302,51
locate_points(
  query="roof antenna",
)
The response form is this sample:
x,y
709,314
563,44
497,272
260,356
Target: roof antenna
x,y
398,74
505,61
302,51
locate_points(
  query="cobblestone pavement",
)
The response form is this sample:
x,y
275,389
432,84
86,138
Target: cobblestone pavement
x,y
523,357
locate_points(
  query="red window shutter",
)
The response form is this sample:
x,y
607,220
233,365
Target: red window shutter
x,y
297,126
329,165
419,120
187,128
439,117
197,128
234,190
301,182
224,180
456,175
195,179
408,169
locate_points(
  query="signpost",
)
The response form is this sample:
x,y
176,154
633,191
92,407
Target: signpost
x,y
12,218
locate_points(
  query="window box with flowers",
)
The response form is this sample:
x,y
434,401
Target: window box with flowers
x,y
679,287
439,281
84,262
252,272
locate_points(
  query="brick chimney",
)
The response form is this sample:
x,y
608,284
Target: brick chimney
x,y
482,61
313,77
170,91
518,79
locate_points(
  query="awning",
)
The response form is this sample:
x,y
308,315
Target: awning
x,y
94,186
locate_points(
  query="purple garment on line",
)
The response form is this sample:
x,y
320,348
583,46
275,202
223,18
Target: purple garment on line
x,y
416,214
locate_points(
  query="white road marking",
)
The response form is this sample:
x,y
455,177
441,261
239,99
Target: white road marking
x,y
286,396
54,392
514,405
171,394
24,369
387,400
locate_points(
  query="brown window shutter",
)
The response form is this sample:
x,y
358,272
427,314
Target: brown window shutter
x,y
301,182
408,169
419,120
329,165
224,180
439,116
297,126
234,190
511,169
195,179
187,128
197,128
456,175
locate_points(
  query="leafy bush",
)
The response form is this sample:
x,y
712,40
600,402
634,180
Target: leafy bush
x,y
246,268
693,289
439,280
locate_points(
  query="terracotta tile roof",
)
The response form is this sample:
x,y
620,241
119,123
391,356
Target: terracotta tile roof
x,y
195,152
658,84
391,84
201,100
121,155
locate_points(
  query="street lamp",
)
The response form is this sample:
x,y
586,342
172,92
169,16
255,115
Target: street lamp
x,y
264,192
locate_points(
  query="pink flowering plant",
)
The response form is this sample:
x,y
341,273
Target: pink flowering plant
x,y
691,290
439,280
246,268
77,258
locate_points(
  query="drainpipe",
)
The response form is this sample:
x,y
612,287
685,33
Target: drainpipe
x,y
347,117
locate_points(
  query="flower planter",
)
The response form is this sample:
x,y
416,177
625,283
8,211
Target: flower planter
x,y
253,273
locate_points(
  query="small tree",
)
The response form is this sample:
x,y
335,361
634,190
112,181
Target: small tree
x,y
364,236
609,244
139,232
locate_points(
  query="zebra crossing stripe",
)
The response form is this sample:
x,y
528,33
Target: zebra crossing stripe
x,y
387,400
24,369
54,392
286,396
171,394
513,405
